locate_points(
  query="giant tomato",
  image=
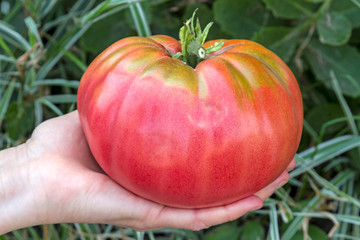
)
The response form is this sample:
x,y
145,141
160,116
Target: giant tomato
x,y
190,137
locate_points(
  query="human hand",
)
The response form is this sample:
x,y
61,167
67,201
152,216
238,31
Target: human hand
x,y
67,185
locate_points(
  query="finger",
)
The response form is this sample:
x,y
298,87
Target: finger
x,y
291,165
198,219
271,188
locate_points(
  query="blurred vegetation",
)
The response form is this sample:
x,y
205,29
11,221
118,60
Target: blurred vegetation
x,y
46,45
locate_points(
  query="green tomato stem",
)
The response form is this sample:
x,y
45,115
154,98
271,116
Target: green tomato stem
x,y
192,39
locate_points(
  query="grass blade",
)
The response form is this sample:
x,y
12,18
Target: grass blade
x,y
34,233
82,66
6,48
309,129
332,122
345,208
140,21
51,106
61,98
67,41
60,20
5,100
74,34
31,25
324,152
333,188
49,5
13,37
356,2
38,112
14,10
343,103
7,59
306,211
102,8
356,229
274,226
78,9
57,82
351,219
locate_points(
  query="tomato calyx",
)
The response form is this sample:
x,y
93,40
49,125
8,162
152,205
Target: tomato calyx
x,y
192,39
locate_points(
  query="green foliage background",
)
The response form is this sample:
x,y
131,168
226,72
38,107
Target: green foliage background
x,y
46,45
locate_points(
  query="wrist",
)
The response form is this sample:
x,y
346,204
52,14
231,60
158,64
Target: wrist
x,y
20,198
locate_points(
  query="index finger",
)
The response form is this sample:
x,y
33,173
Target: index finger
x,y
197,219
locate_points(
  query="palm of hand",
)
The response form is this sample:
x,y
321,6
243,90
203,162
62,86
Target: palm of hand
x,y
77,190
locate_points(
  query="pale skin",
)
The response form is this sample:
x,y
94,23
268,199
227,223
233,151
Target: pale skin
x,y
53,178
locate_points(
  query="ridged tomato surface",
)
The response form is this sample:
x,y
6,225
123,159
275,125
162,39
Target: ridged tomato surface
x,y
186,137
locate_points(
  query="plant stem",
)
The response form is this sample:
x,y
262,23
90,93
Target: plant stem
x,y
192,39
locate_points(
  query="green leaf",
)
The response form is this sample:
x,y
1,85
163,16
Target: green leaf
x,y
280,40
171,28
322,113
333,28
344,61
314,233
292,9
216,47
19,120
191,25
240,19
252,230
203,13
198,31
205,33
112,28
349,9
226,231
184,39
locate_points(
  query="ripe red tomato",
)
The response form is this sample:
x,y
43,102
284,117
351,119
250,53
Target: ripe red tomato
x,y
190,137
